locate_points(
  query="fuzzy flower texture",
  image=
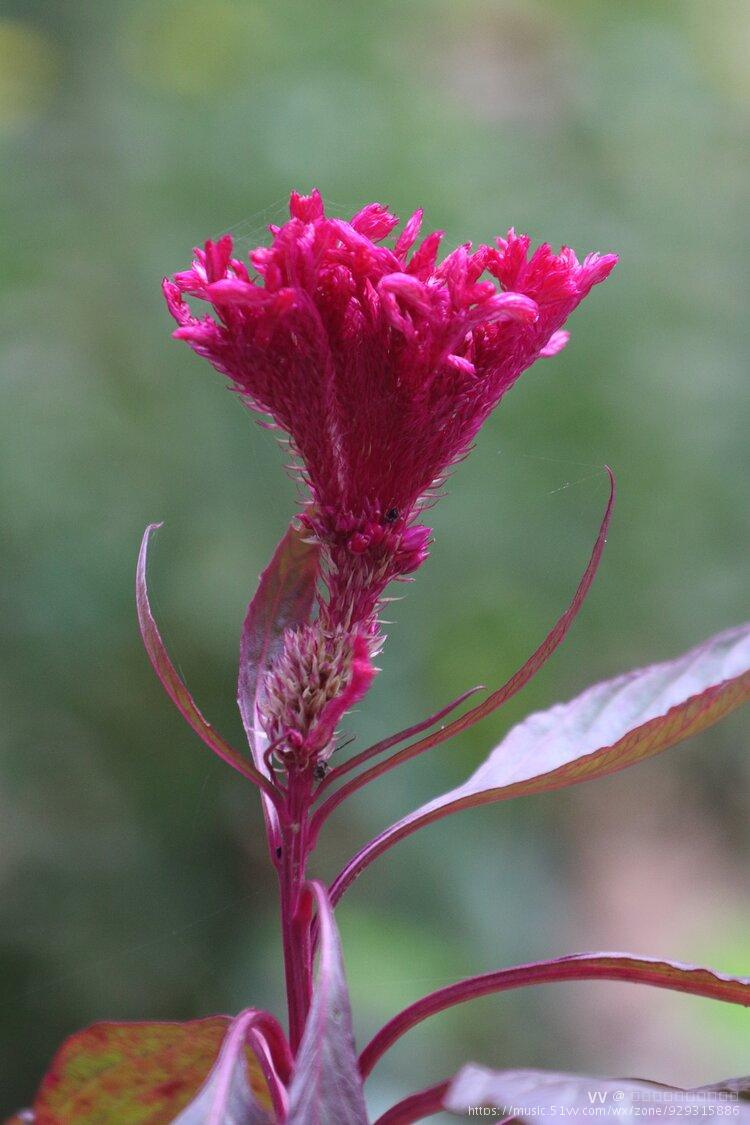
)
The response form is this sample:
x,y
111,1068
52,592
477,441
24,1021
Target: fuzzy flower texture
x,y
380,363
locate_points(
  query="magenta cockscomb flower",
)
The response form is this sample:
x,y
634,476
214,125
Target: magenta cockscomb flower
x,y
380,363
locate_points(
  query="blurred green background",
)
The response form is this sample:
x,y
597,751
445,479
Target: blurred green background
x,y
133,879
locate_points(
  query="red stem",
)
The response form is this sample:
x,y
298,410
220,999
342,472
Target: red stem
x,y
581,966
416,1107
295,908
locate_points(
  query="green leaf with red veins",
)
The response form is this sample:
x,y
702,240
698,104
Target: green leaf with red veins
x,y
283,600
134,1073
528,1095
610,726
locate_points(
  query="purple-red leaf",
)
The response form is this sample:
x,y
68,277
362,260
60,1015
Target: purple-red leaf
x,y
227,1097
529,1095
326,1085
610,726
133,1073
283,600
673,975
171,681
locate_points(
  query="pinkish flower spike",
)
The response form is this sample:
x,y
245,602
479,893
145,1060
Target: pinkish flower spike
x,y
314,680
360,676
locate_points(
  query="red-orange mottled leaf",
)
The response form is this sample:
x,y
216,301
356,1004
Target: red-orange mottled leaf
x,y
133,1073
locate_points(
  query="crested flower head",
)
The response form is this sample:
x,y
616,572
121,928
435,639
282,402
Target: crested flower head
x,y
378,361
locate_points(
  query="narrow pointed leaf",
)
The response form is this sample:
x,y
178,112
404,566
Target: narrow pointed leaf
x,y
496,698
283,600
133,1073
673,975
227,1096
529,1095
393,739
170,678
326,1086
610,726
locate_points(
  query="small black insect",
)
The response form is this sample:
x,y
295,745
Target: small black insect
x,y
319,771
278,853
392,515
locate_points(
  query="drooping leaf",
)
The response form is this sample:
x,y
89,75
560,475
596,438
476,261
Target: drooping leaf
x,y
170,678
227,1096
530,1095
610,726
283,600
692,979
133,1073
326,1086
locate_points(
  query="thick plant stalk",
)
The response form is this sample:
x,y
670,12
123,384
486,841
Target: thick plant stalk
x,y
295,908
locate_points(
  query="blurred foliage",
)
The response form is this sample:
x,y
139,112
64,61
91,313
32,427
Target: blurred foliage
x,y
134,881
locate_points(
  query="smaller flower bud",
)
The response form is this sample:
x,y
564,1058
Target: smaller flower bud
x,y
315,679
413,549
359,542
